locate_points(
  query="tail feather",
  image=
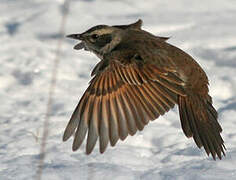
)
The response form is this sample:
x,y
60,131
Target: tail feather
x,y
199,120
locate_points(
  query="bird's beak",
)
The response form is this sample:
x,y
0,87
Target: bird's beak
x,y
75,36
79,46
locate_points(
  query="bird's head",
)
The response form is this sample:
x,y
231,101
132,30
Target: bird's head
x,y
102,39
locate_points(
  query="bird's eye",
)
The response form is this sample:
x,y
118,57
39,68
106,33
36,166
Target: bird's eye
x,y
94,36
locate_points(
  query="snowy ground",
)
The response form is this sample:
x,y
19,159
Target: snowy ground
x,y
28,35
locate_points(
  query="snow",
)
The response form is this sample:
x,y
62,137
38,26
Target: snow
x,y
29,34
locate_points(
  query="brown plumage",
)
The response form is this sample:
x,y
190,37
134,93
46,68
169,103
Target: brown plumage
x,y
140,77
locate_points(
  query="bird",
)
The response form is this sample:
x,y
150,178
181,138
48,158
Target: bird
x,y
140,77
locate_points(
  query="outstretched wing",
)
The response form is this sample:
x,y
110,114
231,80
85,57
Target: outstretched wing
x,y
120,100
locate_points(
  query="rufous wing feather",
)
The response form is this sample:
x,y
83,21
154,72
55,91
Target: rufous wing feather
x,y
119,101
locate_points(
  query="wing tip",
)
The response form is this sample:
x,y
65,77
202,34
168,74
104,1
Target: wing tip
x,y
65,137
75,147
67,134
102,149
